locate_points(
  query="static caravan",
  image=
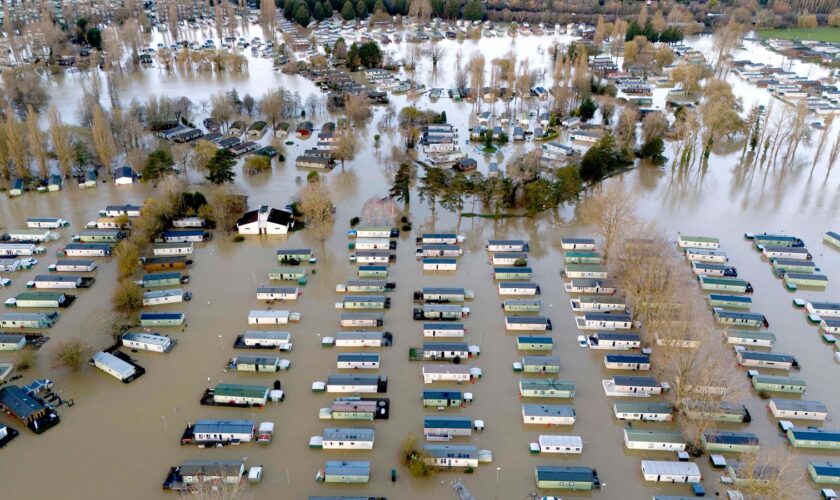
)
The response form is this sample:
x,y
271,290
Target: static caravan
x,y
790,253
772,383
577,243
534,343
738,442
781,266
51,281
114,366
87,250
450,455
101,236
29,235
832,237
162,319
372,256
374,232
193,472
445,428
527,323
590,286
294,255
160,297
41,300
445,351
258,339
153,342
165,263
735,285
521,305
439,264
442,399
196,222
73,266
781,240
12,342
346,471
824,309
441,312
750,338
548,414
627,362
447,373
362,339
643,411
732,318
704,242
760,359
163,279
582,257
284,293
361,384
546,388
166,249
440,239
711,256
288,274
541,364
824,472
257,364
615,341
109,223
362,320
515,259
347,438
604,321
442,295
719,412
120,210
829,325
240,394
794,280
585,271
711,269
512,273
668,471
358,361
19,249
653,440
271,317
596,303
632,386
559,443
10,264
566,478
28,320
439,251
717,300
797,409
517,288
506,246
813,437
366,286
444,330
186,236
212,432
373,271
46,223
364,302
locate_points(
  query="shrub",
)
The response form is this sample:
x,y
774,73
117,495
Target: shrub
x,y
354,221
128,297
70,353
238,238
25,360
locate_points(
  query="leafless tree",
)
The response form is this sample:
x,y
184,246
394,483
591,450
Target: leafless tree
x,y
608,208
380,212
316,203
436,53
36,143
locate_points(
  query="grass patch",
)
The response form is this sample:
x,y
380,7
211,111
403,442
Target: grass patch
x,y
824,34
489,149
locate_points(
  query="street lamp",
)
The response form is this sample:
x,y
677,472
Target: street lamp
x,y
220,344
498,469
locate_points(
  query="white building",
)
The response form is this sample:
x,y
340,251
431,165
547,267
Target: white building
x,y
265,220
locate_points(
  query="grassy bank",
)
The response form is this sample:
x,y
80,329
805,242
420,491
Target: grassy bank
x,y
816,34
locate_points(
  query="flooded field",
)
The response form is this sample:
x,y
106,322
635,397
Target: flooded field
x,y
120,440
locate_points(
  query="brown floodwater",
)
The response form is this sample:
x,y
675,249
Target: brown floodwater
x,y
121,439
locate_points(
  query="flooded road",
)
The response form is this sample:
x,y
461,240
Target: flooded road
x,y
121,439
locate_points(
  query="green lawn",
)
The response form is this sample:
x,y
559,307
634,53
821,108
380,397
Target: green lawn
x,y
816,34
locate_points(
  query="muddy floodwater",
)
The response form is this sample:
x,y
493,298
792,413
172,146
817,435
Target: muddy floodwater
x,y
120,440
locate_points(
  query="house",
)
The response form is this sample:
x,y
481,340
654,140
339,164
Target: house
x,y
27,408
450,455
566,478
210,432
555,150
124,175
445,428
265,220
548,414
343,471
465,165
653,440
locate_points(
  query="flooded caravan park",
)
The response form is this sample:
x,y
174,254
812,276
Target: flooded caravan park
x,y
121,439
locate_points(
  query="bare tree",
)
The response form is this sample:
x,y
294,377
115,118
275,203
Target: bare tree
x,y
103,138
420,9
36,143
608,208
16,143
436,53
222,109
412,57
477,76
380,212
773,472
315,202
347,145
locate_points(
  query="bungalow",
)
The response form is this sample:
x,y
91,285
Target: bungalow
x,y
824,472
653,440
374,244
829,325
272,317
153,342
364,302
646,412
721,300
355,408
185,222
732,318
521,305
10,342
570,122
152,264
759,359
212,432
439,398
362,320
89,178
153,280
738,442
668,471
615,341
27,408
585,271
29,235
440,239
239,394
559,443
169,319
546,388
288,274
357,361
582,257
531,323
28,320
343,471
374,232
101,236
824,309
722,411
586,136
372,256
786,252
772,383
813,437
795,409
186,236
449,455
265,220
627,362
704,242
567,243
632,386
362,339
595,303
444,428
257,364
439,250
541,364
712,256
124,175
447,373
49,281
361,384
548,414
110,223
442,295
711,269
310,161
347,438
566,478
116,367
735,285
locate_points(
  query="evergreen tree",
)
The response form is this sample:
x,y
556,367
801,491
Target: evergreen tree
x,y
318,13
370,55
379,7
587,109
473,11
302,14
437,8
348,13
220,167
452,9
361,9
